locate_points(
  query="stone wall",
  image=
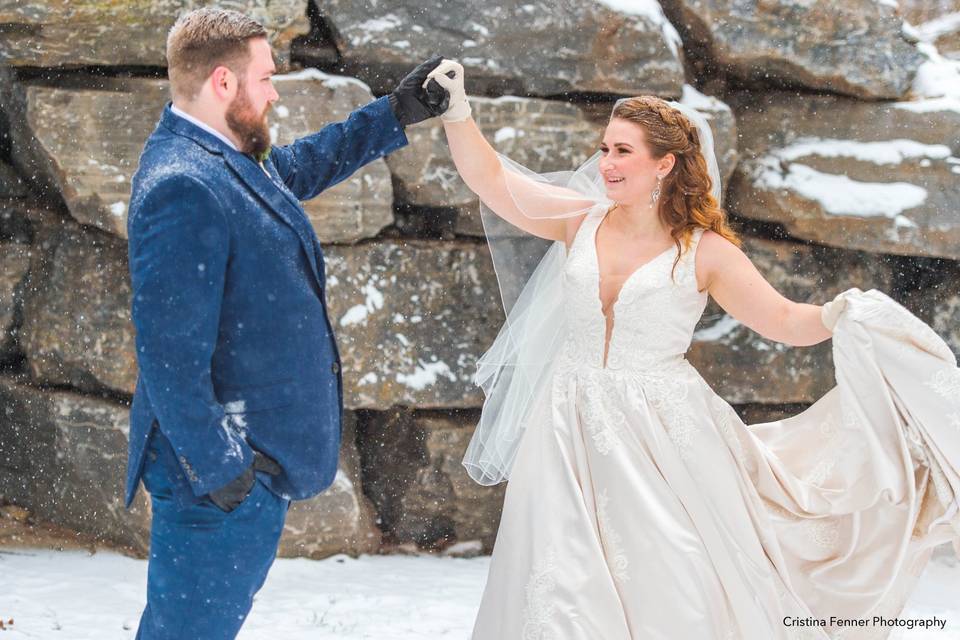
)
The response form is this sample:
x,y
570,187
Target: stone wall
x,y
836,128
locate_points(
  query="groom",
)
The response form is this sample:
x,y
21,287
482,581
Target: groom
x,y
238,404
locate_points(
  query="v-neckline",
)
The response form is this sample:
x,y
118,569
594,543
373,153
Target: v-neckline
x,y
626,281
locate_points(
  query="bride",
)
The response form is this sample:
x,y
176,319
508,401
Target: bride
x,y
639,505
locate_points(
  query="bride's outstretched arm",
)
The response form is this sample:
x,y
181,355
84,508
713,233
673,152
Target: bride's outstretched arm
x,y
538,208
739,288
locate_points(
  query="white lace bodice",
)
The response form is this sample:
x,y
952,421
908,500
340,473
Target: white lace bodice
x,y
653,318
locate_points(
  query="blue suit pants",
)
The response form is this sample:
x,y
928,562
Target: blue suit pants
x,y
205,565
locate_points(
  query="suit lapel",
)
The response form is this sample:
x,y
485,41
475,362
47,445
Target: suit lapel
x,y
283,206
315,242
269,166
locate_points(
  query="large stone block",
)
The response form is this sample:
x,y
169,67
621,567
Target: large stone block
x,y
534,47
85,144
413,473
65,33
855,47
744,367
411,320
881,177
541,135
76,319
63,457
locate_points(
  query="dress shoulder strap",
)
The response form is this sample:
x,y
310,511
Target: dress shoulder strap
x,y
689,259
695,239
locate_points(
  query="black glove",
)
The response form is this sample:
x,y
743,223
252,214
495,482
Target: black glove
x,y
231,495
411,103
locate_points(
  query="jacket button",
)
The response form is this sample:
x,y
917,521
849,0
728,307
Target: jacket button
x,y
335,367
153,456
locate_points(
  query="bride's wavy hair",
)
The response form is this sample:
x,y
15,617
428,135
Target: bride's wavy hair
x,y
686,201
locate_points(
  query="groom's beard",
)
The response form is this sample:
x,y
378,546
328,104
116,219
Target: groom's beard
x,y
249,126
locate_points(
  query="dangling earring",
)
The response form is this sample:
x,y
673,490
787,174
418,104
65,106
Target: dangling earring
x,y
656,192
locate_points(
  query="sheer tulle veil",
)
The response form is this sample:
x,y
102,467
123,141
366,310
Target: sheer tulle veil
x,y
515,371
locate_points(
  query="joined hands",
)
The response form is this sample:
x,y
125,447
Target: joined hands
x,y
448,75
412,101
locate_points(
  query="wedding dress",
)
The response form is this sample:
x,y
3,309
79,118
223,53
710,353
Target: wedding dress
x,y
640,506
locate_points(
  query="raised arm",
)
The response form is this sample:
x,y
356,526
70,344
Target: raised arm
x,y
739,288
318,161
522,201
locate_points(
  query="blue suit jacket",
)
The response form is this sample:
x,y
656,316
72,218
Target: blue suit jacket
x,y
234,346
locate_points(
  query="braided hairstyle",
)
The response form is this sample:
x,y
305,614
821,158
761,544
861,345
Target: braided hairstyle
x,y
686,201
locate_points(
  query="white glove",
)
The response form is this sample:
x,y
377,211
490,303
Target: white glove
x,y
459,109
830,312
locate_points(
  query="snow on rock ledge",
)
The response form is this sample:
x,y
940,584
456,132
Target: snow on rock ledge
x,y
882,177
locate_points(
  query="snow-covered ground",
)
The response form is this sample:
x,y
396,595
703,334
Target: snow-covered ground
x,y
73,595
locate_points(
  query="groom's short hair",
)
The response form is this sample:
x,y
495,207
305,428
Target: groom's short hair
x,y
204,39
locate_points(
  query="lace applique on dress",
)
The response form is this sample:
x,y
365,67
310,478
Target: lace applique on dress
x,y
669,397
832,444
540,603
829,446
823,533
611,540
600,415
643,334
946,382
725,418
